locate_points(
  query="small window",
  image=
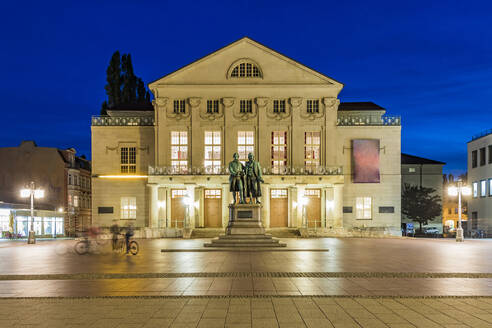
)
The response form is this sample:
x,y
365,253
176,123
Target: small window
x,y
213,193
246,106
245,70
482,156
313,106
483,188
179,106
278,193
316,193
128,207
475,189
279,106
212,106
411,169
474,159
177,193
76,201
363,207
128,159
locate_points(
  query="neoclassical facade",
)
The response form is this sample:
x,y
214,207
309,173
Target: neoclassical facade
x,y
327,165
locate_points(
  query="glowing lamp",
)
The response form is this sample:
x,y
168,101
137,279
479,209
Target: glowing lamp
x,y
466,191
453,191
25,193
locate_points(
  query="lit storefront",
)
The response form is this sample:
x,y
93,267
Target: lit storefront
x,y
18,222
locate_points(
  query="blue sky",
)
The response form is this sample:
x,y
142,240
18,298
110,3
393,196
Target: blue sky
x,y
429,62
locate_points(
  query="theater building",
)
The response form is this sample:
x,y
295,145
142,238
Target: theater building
x,y
332,167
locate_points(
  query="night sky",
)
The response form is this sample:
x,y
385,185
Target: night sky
x,y
429,61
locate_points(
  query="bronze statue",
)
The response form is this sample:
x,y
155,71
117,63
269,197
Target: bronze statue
x,y
236,179
253,179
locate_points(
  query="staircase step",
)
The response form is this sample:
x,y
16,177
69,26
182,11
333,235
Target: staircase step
x,y
248,241
262,237
244,245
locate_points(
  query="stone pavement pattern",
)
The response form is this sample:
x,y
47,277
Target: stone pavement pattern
x,y
313,312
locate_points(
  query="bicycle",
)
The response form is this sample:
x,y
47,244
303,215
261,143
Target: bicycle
x,y
87,245
120,247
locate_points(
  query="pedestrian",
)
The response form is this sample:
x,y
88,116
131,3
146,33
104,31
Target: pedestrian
x,y
129,233
115,231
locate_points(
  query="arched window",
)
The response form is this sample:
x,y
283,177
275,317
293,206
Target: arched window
x,y
245,69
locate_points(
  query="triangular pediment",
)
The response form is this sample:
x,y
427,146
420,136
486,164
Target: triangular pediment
x,y
215,68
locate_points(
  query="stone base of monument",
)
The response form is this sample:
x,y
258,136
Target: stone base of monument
x,y
245,229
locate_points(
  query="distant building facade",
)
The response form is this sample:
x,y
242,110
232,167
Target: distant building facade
x,y
340,159
480,180
423,172
65,178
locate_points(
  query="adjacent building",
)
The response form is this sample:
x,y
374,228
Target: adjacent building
x,y
480,179
423,172
326,165
65,179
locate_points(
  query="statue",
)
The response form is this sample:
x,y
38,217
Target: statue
x,y
253,179
236,178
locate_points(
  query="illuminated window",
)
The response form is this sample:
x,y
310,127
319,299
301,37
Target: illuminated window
x,y
179,151
69,199
212,152
246,70
483,188
363,207
76,201
246,106
313,106
475,189
279,151
316,193
176,193
279,106
278,193
213,193
490,187
128,159
128,207
212,106
245,144
312,147
180,106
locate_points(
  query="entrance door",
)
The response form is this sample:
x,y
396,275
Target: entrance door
x,y
178,209
213,208
313,207
279,206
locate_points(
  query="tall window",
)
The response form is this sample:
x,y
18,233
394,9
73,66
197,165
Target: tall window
x,y
179,151
474,159
128,159
212,151
76,201
313,106
128,207
312,146
279,106
490,154
490,187
246,106
245,144
212,106
483,188
482,156
180,106
363,207
279,151
475,189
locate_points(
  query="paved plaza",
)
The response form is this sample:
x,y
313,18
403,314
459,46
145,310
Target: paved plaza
x,y
350,282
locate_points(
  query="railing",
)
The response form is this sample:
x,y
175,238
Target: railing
x,y
368,120
482,134
224,170
122,121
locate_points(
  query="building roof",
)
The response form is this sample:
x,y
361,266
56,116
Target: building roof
x,y
410,159
356,106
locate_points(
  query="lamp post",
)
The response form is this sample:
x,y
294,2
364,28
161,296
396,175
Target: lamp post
x,y
32,192
459,190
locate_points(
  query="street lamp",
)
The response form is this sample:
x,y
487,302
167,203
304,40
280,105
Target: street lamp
x,y
459,190
32,192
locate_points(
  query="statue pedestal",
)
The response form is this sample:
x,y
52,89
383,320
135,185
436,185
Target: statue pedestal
x,y
245,229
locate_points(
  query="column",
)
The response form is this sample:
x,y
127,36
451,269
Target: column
x,y
324,207
300,195
265,209
338,206
293,205
191,194
226,200
330,208
154,209
200,213
162,206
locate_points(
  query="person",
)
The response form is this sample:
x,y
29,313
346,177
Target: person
x,y
128,234
253,178
236,178
115,231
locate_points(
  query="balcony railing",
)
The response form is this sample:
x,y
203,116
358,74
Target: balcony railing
x,y
482,134
122,121
369,121
224,170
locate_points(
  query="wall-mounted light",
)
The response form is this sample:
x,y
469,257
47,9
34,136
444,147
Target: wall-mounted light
x,y
161,204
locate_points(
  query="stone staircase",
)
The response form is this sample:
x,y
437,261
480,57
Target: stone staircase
x,y
245,240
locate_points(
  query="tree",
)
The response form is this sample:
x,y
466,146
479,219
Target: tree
x,y
114,81
129,90
420,204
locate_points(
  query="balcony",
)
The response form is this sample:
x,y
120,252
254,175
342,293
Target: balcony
x,y
351,120
122,121
223,170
